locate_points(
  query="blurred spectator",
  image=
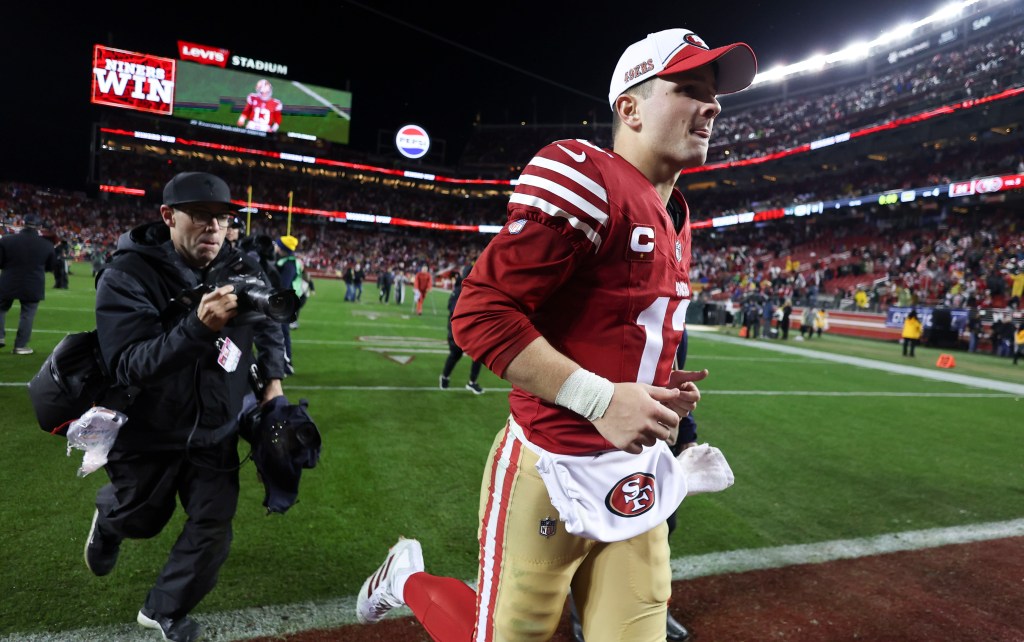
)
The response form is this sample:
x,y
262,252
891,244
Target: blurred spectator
x,y
25,258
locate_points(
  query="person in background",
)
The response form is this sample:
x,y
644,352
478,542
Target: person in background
x,y
787,311
973,324
454,351
579,302
807,323
289,269
235,232
357,282
385,281
820,321
767,315
860,299
60,274
97,257
421,286
1018,343
25,258
912,331
400,281
181,441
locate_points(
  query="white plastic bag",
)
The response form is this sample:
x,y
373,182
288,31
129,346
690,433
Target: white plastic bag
x,y
95,432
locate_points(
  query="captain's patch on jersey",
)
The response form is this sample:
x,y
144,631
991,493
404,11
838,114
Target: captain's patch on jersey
x,y
641,243
515,227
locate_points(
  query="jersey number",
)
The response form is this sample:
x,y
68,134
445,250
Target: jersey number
x,y
653,321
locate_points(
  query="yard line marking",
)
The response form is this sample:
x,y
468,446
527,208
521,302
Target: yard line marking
x,y
284,619
739,561
913,371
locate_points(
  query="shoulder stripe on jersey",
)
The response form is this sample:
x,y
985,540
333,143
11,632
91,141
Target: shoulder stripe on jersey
x,y
566,193
575,176
553,210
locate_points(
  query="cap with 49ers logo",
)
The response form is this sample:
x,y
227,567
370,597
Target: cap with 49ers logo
x,y
674,50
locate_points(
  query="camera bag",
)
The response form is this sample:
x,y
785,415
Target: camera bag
x,y
73,378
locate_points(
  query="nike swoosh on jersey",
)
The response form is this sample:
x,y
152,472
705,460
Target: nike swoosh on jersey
x,y
579,158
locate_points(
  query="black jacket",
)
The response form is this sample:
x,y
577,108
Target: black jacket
x,y
25,258
186,397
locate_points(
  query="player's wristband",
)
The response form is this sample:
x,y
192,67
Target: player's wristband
x,y
586,393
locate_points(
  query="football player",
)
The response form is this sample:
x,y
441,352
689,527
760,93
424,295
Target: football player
x,y
262,111
580,303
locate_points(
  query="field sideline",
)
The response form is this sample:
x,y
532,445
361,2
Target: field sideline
x,y
292,618
842,449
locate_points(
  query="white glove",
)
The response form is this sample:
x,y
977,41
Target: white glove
x,y
706,469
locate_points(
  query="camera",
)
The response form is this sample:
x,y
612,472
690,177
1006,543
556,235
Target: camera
x,y
256,300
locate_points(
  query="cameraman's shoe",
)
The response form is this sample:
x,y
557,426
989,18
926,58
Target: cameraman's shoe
x,y
475,388
443,382
183,629
100,551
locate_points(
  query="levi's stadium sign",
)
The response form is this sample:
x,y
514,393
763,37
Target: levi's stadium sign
x,y
202,54
132,80
412,141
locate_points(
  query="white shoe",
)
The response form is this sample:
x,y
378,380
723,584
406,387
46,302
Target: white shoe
x,y
378,594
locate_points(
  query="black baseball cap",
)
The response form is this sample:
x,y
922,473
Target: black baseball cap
x,y
198,187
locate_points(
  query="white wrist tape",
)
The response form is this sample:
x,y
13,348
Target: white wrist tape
x,y
586,393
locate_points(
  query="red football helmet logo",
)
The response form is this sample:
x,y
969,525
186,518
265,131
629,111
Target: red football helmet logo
x,y
633,495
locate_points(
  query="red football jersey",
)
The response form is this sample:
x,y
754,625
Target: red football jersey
x,y
590,259
262,114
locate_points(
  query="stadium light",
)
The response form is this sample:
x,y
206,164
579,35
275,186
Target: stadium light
x,y
856,51
861,50
899,33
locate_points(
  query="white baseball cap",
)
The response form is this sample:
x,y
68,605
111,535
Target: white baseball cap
x,y
674,50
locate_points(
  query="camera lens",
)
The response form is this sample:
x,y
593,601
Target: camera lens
x,y
280,306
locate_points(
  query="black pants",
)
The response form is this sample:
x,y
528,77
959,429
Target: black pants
x,y
911,343
25,321
141,497
454,354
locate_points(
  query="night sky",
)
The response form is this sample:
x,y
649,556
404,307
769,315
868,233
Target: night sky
x,y
437,64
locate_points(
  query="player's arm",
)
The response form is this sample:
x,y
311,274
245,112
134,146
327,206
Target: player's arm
x,y
635,414
246,112
275,116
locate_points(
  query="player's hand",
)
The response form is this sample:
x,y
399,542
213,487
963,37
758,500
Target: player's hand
x,y
689,395
218,307
638,415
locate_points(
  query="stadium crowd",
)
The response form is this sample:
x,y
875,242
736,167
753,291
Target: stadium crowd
x,y
784,118
897,254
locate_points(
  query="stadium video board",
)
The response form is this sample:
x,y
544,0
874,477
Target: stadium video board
x,y
224,98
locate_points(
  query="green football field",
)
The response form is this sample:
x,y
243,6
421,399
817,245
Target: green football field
x,y
823,449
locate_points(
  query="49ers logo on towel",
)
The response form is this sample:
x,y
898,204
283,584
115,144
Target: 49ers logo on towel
x,y
632,496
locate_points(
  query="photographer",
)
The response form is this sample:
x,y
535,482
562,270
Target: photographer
x,y
176,320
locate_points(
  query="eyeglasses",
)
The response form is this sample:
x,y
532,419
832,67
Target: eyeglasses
x,y
204,218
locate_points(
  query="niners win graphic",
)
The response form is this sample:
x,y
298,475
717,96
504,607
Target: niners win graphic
x,y
262,111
